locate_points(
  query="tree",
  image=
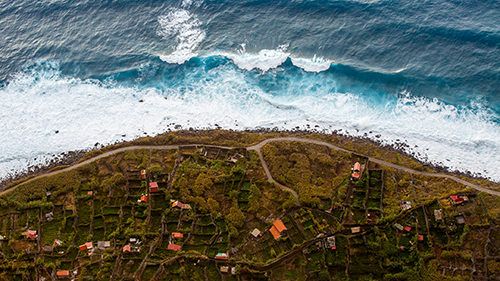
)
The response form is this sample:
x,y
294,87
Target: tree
x,y
254,198
202,183
235,216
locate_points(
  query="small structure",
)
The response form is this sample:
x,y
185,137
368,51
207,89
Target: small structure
x,y
49,216
357,171
47,249
143,199
331,243
405,205
127,248
153,187
86,246
177,235
438,214
458,199
102,245
180,205
255,233
174,247
356,229
62,273
460,219
3,238
398,226
221,256
31,234
143,175
48,194
420,237
277,229
90,193
57,243
407,228
224,269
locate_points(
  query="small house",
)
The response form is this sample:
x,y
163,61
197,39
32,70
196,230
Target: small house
x,y
356,229
31,234
255,233
127,248
277,228
420,237
143,199
57,243
224,269
174,247
221,256
90,193
177,235
49,216
357,170
180,205
438,214
153,187
143,175
331,243
62,273
86,246
407,228
101,245
458,199
405,205
398,226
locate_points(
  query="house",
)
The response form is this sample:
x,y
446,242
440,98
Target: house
x,y
357,170
398,226
277,228
405,205
180,205
57,243
356,229
458,199
331,243
174,247
407,228
90,193
86,246
153,187
48,194
255,233
224,269
143,175
221,256
103,244
460,219
420,237
31,234
143,199
127,248
438,214
62,273
177,235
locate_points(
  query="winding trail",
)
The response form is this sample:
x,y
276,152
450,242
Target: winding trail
x,y
258,149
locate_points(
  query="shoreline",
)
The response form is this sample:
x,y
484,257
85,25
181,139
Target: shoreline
x,y
179,137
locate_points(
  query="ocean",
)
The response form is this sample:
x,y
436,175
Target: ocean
x,y
74,74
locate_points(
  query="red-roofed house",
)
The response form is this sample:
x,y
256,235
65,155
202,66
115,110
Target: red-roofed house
x,y
86,246
144,199
277,228
407,228
179,204
458,199
174,247
62,273
420,237
31,234
127,248
221,256
153,187
356,171
177,235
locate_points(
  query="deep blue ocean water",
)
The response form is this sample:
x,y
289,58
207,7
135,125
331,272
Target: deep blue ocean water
x,y
423,72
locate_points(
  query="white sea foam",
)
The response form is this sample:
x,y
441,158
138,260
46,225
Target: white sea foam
x,y
186,29
314,64
86,112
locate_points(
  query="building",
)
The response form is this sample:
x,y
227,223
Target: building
x,y
143,175
143,199
174,247
177,235
460,219
458,199
101,245
224,269
420,237
357,170
405,205
255,233
180,205
221,256
62,273
90,193
57,243
31,234
127,248
277,228
86,246
438,214
398,226
331,243
356,229
153,187
49,216
407,228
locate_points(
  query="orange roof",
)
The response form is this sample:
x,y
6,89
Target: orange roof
x,y
153,184
177,235
174,247
89,245
127,248
31,234
357,167
280,226
144,198
274,231
62,273
83,247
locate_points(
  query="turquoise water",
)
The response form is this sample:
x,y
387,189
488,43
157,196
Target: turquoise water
x,y
421,72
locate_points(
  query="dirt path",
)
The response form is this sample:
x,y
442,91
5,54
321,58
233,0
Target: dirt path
x,y
258,149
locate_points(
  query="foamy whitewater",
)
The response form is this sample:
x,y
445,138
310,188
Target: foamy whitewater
x,y
90,74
